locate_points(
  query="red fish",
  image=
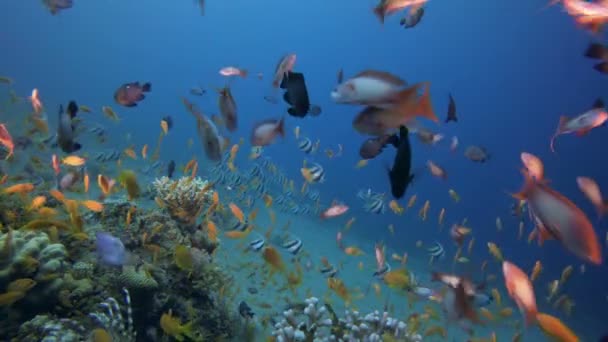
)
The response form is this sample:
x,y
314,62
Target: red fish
x,y
520,290
561,219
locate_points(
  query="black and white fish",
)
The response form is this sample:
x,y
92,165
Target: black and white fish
x,y
437,250
316,172
375,205
329,271
306,146
380,273
293,246
257,244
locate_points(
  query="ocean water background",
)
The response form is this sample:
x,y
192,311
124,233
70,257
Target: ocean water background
x,y
512,67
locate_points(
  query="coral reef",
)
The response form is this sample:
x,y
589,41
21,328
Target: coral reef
x,y
45,328
113,322
185,198
320,323
32,255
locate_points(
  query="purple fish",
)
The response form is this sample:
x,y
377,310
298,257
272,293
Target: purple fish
x,y
110,250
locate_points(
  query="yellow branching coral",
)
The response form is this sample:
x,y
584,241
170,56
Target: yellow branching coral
x,y
185,198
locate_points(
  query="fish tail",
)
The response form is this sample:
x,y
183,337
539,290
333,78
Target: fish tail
x,y
425,107
244,73
563,120
596,51
601,67
146,87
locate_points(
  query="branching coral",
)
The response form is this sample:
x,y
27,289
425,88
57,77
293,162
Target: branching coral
x,y
322,324
184,198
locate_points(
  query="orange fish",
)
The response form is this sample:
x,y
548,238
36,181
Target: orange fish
x,y
237,212
86,182
55,164
19,188
6,140
92,205
73,161
130,152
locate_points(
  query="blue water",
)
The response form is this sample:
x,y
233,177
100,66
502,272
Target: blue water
x,y
512,67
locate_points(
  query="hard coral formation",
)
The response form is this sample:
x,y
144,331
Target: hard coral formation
x,y
319,323
184,198
46,328
32,255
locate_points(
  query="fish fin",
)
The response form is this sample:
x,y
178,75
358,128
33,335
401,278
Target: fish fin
x,y
280,129
528,185
563,120
379,12
244,73
582,132
147,87
598,104
435,276
601,67
131,105
596,51
76,146
425,107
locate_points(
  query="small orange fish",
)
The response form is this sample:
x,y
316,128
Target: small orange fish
x,y
73,161
86,182
6,140
130,152
55,164
353,251
237,212
92,205
56,194
19,188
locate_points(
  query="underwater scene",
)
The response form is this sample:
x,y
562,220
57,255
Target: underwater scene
x,y
373,170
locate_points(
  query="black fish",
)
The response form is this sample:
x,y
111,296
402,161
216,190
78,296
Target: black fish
x,y
169,120
296,95
170,169
400,176
66,128
245,311
599,52
451,111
